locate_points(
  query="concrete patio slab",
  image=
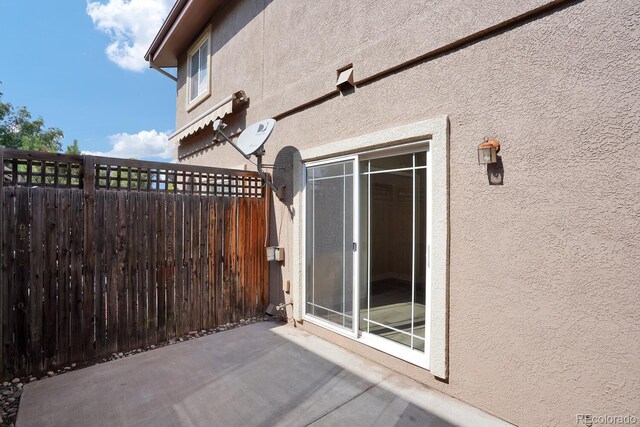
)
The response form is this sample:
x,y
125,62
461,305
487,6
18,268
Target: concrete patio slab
x,y
259,375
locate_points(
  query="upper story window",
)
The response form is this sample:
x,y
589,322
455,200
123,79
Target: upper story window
x,y
198,77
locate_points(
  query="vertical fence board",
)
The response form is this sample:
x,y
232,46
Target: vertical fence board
x,y
89,259
112,266
50,325
132,238
100,288
141,261
170,262
154,272
9,238
240,245
123,333
234,260
76,305
211,260
180,268
36,278
264,231
202,265
220,264
248,254
160,269
8,244
196,284
64,276
20,294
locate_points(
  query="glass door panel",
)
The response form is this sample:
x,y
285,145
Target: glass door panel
x,y
329,243
393,260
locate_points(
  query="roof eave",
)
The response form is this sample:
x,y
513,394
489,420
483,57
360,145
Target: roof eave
x,y
164,29
185,21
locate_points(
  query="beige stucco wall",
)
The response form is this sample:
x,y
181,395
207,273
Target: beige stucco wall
x,y
544,290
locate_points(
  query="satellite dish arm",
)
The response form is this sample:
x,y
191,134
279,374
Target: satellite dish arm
x,y
265,178
217,129
220,132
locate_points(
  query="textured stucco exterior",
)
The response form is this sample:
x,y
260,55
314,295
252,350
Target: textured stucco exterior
x,y
543,288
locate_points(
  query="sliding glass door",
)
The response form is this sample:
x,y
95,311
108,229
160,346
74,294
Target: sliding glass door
x,y
393,210
330,243
366,224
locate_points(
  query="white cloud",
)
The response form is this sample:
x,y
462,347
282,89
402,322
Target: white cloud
x,y
132,25
142,145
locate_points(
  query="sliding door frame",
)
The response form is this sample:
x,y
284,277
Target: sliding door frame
x,y
395,349
379,343
353,333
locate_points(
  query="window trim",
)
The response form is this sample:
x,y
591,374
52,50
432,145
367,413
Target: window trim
x,y
205,37
436,131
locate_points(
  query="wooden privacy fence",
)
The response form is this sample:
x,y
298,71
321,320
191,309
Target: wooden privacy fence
x,y
102,255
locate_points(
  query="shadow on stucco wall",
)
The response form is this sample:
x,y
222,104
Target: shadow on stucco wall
x,y
495,172
282,214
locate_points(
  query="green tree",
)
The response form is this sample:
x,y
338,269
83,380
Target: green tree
x,y
73,148
18,130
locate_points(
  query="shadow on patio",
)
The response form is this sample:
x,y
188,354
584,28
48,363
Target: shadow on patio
x,y
259,375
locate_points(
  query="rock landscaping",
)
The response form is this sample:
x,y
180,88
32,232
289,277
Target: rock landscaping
x,y
10,391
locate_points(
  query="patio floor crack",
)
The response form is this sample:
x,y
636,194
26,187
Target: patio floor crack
x,y
345,402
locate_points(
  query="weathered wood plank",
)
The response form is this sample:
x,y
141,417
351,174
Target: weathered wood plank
x,y
123,332
229,255
203,262
100,272
211,265
76,220
235,295
160,268
220,264
187,307
89,245
240,259
170,263
196,284
8,274
112,267
21,287
180,266
142,256
153,267
132,238
64,276
265,224
50,326
38,229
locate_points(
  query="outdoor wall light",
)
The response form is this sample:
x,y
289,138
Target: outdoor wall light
x,y
487,151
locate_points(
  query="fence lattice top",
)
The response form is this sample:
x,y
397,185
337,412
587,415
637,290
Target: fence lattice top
x,y
38,169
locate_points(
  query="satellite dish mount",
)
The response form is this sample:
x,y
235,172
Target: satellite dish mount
x,y
251,142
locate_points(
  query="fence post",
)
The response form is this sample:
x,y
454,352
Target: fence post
x,y
89,259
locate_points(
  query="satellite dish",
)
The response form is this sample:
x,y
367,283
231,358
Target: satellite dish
x,y
250,142
254,137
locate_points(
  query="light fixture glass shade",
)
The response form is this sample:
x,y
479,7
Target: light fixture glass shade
x,y
486,155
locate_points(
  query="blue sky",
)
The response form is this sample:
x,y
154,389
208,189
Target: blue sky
x,y
84,75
